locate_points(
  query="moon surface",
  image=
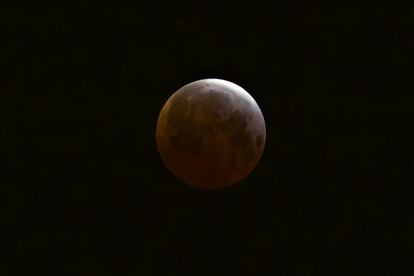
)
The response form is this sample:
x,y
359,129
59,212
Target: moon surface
x,y
211,133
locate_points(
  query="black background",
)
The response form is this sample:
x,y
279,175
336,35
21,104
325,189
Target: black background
x,y
84,192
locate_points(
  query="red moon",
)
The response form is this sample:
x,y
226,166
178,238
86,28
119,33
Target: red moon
x,y
211,133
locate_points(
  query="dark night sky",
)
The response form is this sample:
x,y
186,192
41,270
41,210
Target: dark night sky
x,y
84,192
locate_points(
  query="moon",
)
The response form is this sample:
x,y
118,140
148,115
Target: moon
x,y
211,133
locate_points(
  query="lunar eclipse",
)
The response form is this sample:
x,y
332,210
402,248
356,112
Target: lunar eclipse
x,y
211,133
